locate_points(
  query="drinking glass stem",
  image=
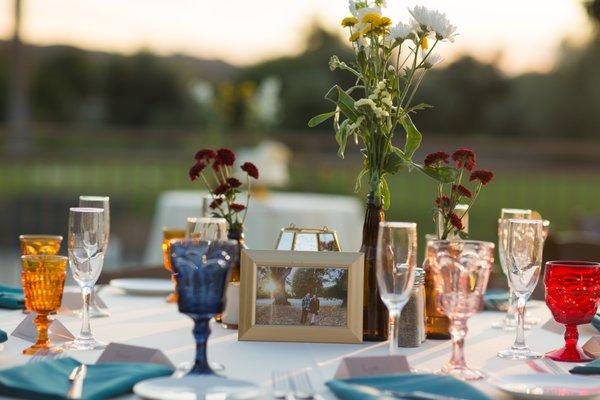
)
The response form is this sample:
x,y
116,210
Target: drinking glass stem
x,y
571,337
201,332
393,331
41,323
510,313
520,338
458,330
86,332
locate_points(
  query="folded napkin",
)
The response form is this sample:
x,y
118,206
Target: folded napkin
x,y
374,388
596,321
495,300
3,336
11,297
49,379
592,368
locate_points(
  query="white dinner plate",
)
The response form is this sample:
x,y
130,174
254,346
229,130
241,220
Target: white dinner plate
x,y
196,387
549,386
144,287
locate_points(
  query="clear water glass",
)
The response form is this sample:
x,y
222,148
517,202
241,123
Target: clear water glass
x,y
461,269
102,202
395,269
509,322
206,228
524,264
87,246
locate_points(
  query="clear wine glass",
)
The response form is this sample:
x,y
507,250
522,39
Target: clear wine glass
x,y
524,258
395,268
461,269
509,322
102,202
87,245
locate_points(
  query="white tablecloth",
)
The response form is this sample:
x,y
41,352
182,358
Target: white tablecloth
x,y
266,217
151,322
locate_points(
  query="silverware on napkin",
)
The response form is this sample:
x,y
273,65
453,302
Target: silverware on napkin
x,y
77,376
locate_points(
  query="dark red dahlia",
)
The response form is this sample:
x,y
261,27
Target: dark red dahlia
x,y
196,170
442,202
464,158
237,207
250,169
216,165
226,156
463,191
205,154
456,221
436,158
221,189
215,203
234,183
483,176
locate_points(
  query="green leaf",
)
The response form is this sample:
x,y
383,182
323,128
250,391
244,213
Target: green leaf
x,y
440,174
419,107
385,193
395,161
359,178
341,137
316,120
413,137
344,102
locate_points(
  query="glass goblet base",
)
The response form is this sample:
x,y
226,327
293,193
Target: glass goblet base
x,y
41,350
524,353
84,344
462,372
569,354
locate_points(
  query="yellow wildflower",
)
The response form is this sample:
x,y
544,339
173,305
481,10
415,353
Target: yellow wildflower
x,y
355,36
349,21
371,18
424,43
385,22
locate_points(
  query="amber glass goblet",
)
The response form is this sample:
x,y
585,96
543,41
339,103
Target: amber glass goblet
x,y
40,244
170,235
573,295
43,278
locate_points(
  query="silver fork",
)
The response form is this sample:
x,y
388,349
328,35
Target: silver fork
x,y
42,355
302,387
280,385
554,367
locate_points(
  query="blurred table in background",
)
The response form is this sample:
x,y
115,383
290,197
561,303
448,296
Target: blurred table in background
x,y
266,217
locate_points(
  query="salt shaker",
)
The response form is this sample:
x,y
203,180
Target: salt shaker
x,y
411,325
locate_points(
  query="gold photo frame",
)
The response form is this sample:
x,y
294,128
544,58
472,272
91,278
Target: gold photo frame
x,y
301,296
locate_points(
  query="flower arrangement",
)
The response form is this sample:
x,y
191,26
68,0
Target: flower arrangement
x,y
390,64
452,191
222,185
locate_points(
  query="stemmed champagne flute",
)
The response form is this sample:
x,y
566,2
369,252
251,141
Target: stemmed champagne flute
x,y
395,268
524,257
87,245
102,202
461,269
509,322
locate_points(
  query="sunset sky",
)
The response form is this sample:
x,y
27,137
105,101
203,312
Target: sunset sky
x,y
526,32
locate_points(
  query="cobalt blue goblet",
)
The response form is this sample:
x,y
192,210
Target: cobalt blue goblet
x,y
202,270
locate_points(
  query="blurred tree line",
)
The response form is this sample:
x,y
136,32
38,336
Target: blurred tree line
x,y
73,86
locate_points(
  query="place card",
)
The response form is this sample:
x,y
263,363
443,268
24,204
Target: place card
x,y
27,330
592,346
553,326
119,352
72,302
354,367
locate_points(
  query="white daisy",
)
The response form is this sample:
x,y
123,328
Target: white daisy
x,y
352,7
367,10
433,21
401,31
431,60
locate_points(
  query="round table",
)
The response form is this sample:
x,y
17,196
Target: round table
x,y
151,322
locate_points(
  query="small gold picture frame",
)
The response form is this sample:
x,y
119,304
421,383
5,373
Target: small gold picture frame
x,y
301,296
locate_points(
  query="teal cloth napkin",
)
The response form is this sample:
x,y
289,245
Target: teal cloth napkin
x,y
373,388
592,368
49,379
3,336
596,321
11,297
496,300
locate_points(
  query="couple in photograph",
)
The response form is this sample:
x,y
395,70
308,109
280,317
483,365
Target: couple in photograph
x,y
310,309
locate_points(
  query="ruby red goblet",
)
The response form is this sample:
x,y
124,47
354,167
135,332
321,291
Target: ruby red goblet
x,y
573,296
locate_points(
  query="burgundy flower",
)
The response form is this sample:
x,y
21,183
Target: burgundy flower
x,y
464,158
221,189
216,165
205,154
215,203
463,191
237,207
196,169
436,158
250,169
234,183
442,202
456,221
482,175
226,156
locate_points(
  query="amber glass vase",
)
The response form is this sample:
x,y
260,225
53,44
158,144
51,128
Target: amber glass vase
x,y
375,314
43,279
437,324
234,248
